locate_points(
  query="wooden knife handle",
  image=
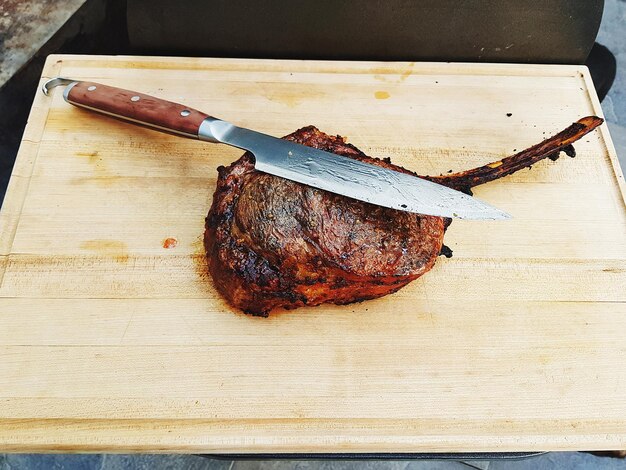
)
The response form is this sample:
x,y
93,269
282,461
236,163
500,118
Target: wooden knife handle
x,y
136,107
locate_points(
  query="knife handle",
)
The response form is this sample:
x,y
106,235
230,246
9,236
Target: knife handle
x,y
136,107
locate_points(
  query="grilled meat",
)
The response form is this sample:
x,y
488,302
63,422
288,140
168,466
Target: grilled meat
x,y
273,243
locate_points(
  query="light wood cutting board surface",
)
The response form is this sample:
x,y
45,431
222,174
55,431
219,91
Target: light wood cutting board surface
x,y
110,342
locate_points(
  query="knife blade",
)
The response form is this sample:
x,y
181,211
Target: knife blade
x,y
306,165
348,177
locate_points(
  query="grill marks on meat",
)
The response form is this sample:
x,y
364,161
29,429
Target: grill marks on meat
x,y
272,243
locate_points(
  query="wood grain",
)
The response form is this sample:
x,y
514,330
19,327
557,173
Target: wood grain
x,y
111,342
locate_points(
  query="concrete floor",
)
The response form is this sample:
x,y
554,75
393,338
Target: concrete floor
x,y
612,35
26,26
563,460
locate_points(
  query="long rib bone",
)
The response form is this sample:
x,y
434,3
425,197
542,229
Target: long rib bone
x,y
549,148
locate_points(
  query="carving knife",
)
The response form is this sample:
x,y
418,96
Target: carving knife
x,y
313,167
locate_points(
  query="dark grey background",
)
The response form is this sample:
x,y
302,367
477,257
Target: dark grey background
x,y
554,31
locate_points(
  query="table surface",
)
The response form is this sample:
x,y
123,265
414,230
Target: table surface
x,y
110,342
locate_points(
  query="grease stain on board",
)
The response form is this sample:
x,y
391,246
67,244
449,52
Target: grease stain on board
x,y
170,242
292,98
382,95
101,175
613,270
102,181
115,249
392,76
93,156
203,278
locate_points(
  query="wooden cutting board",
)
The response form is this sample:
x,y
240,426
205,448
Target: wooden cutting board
x,y
111,342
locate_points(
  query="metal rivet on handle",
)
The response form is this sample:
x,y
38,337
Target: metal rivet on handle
x,y
185,113
135,98
91,88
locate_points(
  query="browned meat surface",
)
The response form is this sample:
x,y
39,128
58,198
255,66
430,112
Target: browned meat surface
x,y
272,243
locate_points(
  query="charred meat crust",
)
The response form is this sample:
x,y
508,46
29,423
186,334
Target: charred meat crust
x,y
273,243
